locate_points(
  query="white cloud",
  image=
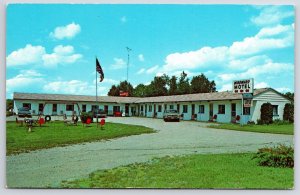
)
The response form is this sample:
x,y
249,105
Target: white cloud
x,y
27,55
261,85
141,57
69,31
36,55
246,63
24,79
226,87
283,89
61,55
271,15
71,87
152,69
60,49
123,19
195,59
119,63
141,71
264,40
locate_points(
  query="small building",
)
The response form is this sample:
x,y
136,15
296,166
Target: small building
x,y
219,106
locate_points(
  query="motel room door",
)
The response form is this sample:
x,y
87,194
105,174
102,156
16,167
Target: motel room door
x,y
233,111
126,109
154,113
211,111
193,112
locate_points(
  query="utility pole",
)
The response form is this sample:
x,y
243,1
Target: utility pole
x,y
128,50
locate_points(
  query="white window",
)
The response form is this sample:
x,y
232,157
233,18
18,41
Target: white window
x,y
275,110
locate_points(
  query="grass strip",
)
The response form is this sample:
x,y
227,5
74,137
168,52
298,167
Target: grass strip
x,y
221,171
55,134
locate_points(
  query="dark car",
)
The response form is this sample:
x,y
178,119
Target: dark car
x,y
99,113
24,112
171,115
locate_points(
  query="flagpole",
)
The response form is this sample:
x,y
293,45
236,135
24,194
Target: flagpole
x,y
96,87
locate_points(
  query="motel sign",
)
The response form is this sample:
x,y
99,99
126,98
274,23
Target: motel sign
x,y
243,86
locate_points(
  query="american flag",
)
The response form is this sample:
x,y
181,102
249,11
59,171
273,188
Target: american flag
x,y
99,70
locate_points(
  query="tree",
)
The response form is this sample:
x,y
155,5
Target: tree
x,y
288,112
266,113
201,84
139,91
159,86
289,95
126,87
183,84
173,86
114,91
9,104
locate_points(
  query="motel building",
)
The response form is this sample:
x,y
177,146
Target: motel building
x,y
224,107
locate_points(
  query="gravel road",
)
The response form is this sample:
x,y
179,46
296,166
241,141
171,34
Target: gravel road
x,y
48,167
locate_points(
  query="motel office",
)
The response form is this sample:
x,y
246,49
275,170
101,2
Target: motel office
x,y
225,106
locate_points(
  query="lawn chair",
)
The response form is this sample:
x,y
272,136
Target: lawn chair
x,y
66,121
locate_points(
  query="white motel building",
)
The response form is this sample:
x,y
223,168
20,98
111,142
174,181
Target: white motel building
x,y
225,106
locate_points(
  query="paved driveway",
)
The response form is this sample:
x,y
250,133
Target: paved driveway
x,y
47,168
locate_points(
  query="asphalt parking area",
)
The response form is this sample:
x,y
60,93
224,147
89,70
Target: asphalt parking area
x,y
48,167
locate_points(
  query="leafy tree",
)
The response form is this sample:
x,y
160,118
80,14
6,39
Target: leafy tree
x,y
173,86
266,113
159,86
183,84
201,84
114,91
123,86
126,87
288,112
289,95
9,104
139,91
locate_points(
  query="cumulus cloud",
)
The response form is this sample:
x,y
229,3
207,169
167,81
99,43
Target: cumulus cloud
x,y
28,55
141,57
196,59
267,38
271,15
283,89
25,78
119,63
261,85
69,31
71,87
36,55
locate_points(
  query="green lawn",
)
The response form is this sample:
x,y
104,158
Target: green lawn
x,y
272,128
226,171
53,134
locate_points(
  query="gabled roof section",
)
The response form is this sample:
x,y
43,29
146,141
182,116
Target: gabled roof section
x,y
227,95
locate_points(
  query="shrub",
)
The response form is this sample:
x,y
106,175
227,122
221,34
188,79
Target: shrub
x,y
288,112
280,122
277,156
85,115
266,113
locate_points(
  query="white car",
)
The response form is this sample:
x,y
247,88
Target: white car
x,y
171,115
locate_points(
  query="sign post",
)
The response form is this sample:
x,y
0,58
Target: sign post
x,y
244,87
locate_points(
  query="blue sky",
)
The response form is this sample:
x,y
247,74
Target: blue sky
x,y
52,48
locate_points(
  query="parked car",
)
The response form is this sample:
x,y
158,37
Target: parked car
x,y
171,115
99,113
24,112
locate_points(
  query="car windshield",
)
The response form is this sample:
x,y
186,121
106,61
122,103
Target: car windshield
x,y
24,109
171,111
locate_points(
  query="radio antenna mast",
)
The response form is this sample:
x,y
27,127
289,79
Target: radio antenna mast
x,y
128,50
